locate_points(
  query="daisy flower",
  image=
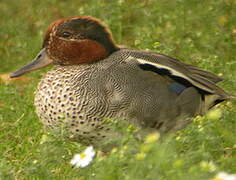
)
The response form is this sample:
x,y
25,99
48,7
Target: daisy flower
x,y
224,176
83,159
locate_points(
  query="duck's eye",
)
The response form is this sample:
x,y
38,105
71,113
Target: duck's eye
x,y
66,34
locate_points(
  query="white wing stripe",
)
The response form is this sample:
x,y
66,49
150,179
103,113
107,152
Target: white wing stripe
x,y
160,66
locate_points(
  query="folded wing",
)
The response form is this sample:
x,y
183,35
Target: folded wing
x,y
201,79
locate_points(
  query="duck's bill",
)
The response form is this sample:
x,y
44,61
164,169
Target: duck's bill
x,y
40,61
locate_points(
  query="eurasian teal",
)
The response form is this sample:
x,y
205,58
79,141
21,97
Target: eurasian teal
x,y
94,79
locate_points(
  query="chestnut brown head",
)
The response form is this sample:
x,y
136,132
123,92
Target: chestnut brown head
x,y
71,41
78,40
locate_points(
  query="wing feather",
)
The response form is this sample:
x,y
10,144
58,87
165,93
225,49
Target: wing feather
x,y
201,79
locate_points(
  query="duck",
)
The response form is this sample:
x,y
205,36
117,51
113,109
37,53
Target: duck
x,y
93,79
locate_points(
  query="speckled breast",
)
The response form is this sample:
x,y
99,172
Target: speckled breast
x,y
67,96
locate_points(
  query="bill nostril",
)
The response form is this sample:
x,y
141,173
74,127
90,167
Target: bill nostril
x,y
39,56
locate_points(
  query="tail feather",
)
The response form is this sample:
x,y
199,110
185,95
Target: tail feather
x,y
231,97
208,85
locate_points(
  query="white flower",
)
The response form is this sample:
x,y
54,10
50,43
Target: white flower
x,y
83,159
224,176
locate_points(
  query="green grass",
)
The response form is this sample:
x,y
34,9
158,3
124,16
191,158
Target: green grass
x,y
196,31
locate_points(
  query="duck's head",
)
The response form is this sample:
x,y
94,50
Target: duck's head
x,y
72,41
